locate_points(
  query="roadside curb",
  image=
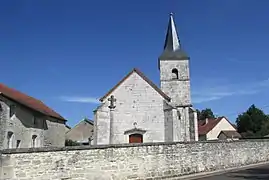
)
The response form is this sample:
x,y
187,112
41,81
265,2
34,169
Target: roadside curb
x,y
218,172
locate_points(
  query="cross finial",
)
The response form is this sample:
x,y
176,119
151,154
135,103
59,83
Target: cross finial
x,y
112,100
171,14
135,123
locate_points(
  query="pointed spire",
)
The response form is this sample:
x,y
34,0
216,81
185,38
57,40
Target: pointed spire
x,y
172,46
171,40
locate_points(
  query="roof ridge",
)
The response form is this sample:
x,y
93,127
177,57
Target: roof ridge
x,y
142,75
84,120
205,128
28,101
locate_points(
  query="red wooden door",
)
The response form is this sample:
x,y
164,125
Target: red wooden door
x,y
135,138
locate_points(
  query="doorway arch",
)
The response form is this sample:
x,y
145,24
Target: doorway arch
x,y
135,138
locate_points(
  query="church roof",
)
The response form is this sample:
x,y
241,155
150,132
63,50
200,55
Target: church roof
x,y
28,101
172,47
143,77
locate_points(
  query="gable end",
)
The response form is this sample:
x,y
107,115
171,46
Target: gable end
x,y
144,78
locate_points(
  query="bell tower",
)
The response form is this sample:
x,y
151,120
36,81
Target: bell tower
x,y
174,68
175,82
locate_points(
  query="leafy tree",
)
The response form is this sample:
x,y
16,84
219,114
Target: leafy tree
x,y
253,123
205,113
69,142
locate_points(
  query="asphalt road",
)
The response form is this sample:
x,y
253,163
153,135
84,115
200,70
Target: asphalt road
x,y
257,173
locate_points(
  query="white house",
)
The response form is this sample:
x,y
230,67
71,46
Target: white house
x,y
217,129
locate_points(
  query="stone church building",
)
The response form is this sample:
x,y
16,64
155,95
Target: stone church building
x,y
136,110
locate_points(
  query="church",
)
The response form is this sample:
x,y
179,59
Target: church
x,y
137,111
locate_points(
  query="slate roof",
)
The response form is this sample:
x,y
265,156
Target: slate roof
x,y
172,47
28,102
231,134
174,55
143,77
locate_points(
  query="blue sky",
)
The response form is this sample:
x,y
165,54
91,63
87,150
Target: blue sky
x,y
63,51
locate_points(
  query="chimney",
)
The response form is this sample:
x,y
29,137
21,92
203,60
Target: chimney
x,y
206,120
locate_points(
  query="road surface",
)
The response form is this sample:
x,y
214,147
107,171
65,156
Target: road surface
x,y
257,173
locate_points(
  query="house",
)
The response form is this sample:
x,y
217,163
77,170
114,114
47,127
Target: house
x,y
26,122
229,135
82,132
136,110
217,129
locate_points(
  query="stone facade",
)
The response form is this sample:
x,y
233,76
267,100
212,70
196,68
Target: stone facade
x,y
176,86
144,161
22,127
137,103
162,114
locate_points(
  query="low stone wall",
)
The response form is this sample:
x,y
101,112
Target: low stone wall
x,y
144,161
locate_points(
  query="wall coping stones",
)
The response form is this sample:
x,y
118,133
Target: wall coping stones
x,y
74,148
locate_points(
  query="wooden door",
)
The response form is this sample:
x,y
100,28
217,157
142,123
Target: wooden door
x,y
135,138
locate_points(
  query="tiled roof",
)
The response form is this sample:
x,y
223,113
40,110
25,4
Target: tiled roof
x,y
143,77
204,128
28,101
231,134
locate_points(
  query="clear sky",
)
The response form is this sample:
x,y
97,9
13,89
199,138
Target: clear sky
x,y
70,53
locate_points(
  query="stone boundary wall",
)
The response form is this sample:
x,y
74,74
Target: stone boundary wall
x,y
141,161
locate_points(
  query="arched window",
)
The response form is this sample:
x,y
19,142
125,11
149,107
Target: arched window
x,y
18,143
174,73
34,140
136,138
9,139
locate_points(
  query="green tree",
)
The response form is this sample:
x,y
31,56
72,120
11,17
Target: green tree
x,y
198,113
253,123
205,113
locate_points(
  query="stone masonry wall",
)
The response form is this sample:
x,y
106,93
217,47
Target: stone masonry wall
x,y
137,102
144,161
23,126
3,122
178,90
